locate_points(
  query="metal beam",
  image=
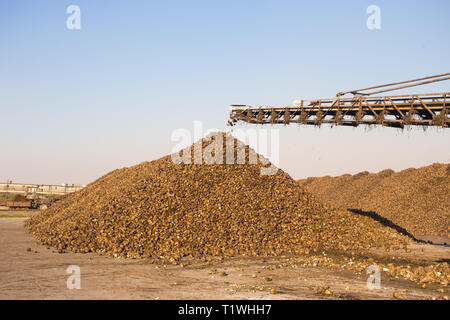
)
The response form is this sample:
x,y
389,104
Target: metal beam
x,y
392,111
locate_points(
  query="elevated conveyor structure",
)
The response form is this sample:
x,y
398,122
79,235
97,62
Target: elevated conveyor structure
x,y
390,111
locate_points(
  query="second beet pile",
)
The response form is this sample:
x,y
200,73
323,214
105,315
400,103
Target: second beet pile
x,y
161,208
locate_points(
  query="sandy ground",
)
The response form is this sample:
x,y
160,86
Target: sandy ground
x,y
17,213
31,271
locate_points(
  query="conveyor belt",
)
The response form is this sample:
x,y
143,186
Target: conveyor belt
x,y
391,111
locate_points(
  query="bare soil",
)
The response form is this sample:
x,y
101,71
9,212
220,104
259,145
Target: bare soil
x,y
17,213
31,271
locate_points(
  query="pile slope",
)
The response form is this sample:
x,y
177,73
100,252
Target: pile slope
x,y
161,208
417,200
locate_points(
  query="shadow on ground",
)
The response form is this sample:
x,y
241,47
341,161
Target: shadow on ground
x,y
386,222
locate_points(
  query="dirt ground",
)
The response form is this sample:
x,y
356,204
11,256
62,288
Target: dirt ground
x,y
17,213
31,271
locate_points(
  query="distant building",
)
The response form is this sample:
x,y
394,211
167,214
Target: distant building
x,y
22,188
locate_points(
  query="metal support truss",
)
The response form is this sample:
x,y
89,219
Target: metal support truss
x,y
390,111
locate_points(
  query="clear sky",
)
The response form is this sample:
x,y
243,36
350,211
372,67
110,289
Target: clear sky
x,y
76,104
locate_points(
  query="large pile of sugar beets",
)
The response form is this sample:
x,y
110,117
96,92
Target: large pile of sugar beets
x,y
163,208
417,200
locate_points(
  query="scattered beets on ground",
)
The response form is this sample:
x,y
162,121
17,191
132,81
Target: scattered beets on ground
x,y
161,208
417,200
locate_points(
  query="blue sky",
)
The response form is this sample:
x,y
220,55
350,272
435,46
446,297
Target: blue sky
x,y
75,104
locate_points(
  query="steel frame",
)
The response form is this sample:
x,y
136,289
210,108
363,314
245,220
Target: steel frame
x,y
390,111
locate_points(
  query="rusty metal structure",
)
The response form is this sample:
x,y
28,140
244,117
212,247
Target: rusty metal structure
x,y
361,108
